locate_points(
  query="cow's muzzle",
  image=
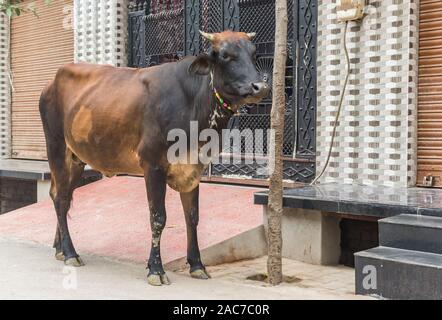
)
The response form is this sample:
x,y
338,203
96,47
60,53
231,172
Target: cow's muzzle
x,y
257,92
260,89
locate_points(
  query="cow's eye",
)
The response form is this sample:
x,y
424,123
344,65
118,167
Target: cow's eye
x,y
225,56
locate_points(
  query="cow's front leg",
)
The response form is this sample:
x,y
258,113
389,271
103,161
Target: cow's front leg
x,y
156,193
191,206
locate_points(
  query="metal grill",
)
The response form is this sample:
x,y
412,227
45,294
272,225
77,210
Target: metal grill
x,y
261,121
165,36
165,30
136,52
158,6
307,20
292,171
164,41
211,19
259,16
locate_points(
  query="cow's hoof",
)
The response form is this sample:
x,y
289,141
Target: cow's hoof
x,y
59,256
200,274
74,262
158,280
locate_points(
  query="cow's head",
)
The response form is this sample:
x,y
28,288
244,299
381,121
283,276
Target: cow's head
x,y
231,61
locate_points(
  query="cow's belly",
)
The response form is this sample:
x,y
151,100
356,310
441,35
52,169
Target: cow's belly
x,y
123,162
105,141
184,177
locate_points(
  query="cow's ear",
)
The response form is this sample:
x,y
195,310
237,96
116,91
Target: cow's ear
x,y
201,65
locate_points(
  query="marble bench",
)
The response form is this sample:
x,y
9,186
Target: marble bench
x,y
311,231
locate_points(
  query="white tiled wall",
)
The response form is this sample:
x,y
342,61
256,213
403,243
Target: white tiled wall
x,y
5,91
101,31
376,140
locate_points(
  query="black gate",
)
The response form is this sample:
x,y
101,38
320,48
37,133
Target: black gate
x,y
166,30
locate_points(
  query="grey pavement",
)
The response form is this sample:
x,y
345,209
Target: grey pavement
x,y
29,271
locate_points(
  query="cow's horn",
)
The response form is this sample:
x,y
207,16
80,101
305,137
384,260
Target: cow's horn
x,y
251,35
208,36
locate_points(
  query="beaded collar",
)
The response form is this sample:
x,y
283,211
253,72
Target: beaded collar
x,y
221,101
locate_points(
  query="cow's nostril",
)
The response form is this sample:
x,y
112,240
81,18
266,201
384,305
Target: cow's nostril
x,y
260,88
256,87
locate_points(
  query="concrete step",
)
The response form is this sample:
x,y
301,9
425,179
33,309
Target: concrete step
x,y
398,274
412,232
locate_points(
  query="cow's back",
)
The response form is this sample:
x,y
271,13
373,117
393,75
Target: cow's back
x,y
98,109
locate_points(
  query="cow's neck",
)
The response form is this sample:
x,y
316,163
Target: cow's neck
x,y
214,112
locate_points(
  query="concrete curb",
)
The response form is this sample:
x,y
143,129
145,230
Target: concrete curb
x,y
250,244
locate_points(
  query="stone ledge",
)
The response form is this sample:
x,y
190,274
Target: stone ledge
x,y
357,200
28,169
25,169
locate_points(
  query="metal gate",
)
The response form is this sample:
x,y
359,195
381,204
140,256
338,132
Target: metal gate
x,y
166,30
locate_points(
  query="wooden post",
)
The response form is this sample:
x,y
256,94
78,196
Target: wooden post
x,y
274,263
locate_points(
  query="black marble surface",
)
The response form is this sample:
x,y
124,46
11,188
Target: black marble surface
x,y
361,200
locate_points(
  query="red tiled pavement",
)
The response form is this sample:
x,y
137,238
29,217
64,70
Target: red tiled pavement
x,y
110,218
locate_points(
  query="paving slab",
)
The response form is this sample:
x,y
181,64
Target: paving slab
x,y
30,272
110,218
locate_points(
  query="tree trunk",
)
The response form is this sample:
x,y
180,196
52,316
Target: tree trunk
x,y
274,263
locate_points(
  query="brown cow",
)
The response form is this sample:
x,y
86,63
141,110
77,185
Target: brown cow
x,y
117,119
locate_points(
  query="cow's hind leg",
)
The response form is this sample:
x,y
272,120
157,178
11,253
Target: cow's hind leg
x,y
156,195
190,202
66,172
